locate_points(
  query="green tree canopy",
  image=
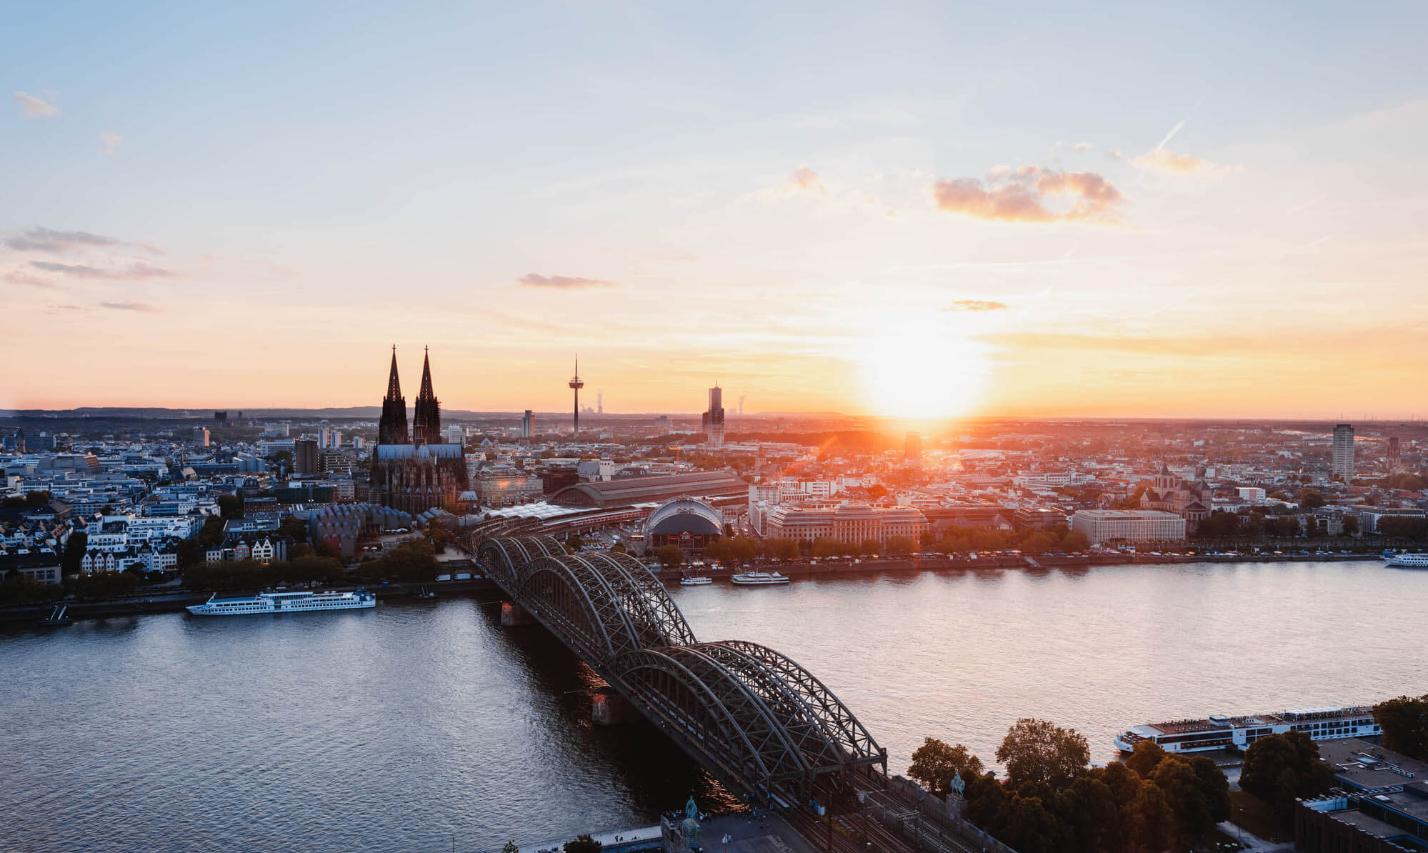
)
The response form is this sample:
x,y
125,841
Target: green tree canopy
x,y
669,556
781,549
230,506
583,844
1280,768
936,762
1037,752
1405,725
900,546
74,548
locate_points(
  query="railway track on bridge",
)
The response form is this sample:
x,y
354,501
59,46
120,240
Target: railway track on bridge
x,y
763,725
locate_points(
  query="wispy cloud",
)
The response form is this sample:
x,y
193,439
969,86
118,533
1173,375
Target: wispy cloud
x,y
562,282
110,141
27,279
51,240
142,307
33,106
1022,195
134,272
977,305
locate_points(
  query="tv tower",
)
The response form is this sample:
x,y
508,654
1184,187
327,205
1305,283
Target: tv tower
x,y
575,385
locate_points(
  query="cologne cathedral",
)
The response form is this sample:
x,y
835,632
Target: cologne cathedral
x,y
415,471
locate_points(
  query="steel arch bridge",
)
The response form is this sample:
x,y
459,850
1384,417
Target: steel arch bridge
x,y
759,722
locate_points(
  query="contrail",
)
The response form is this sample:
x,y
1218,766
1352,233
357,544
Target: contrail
x,y
1179,126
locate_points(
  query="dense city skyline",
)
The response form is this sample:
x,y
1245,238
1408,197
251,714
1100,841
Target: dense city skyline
x,y
842,210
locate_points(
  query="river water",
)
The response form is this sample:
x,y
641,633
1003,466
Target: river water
x,y
426,726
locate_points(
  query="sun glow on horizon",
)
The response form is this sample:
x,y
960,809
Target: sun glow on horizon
x,y
918,365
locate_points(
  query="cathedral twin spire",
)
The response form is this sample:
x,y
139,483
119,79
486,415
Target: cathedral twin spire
x,y
426,420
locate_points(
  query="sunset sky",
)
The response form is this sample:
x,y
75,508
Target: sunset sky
x,y
905,209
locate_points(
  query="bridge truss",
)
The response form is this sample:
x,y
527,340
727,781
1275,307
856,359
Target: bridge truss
x,y
757,720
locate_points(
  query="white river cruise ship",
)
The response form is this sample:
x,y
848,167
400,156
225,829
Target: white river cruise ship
x,y
1221,732
284,602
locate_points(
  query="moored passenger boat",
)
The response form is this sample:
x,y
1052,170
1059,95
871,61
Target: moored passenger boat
x,y
1406,560
759,578
1219,732
284,602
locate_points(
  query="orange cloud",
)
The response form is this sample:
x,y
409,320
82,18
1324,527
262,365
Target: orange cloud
x,y
1171,161
562,282
1021,195
805,178
977,305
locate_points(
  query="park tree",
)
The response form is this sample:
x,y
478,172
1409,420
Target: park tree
x,y
1405,725
719,551
781,549
869,547
743,549
582,844
510,847
293,528
1089,810
1197,799
1150,821
824,547
936,762
1145,757
669,556
1280,768
1311,499
230,506
900,546
1038,752
1030,827
74,548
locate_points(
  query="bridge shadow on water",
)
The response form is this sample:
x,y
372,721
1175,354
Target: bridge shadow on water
x,y
659,776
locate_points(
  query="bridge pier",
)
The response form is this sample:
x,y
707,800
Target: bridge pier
x,y
514,615
608,708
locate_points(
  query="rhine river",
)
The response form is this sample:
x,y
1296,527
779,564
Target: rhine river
x,y
425,725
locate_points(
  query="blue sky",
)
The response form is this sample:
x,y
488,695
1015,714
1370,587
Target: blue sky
x,y
348,176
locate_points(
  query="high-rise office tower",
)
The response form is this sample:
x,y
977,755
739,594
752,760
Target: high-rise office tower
x,y
528,424
713,419
1343,464
1395,457
200,436
912,447
599,402
306,458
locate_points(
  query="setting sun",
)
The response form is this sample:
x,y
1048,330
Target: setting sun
x,y
920,366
